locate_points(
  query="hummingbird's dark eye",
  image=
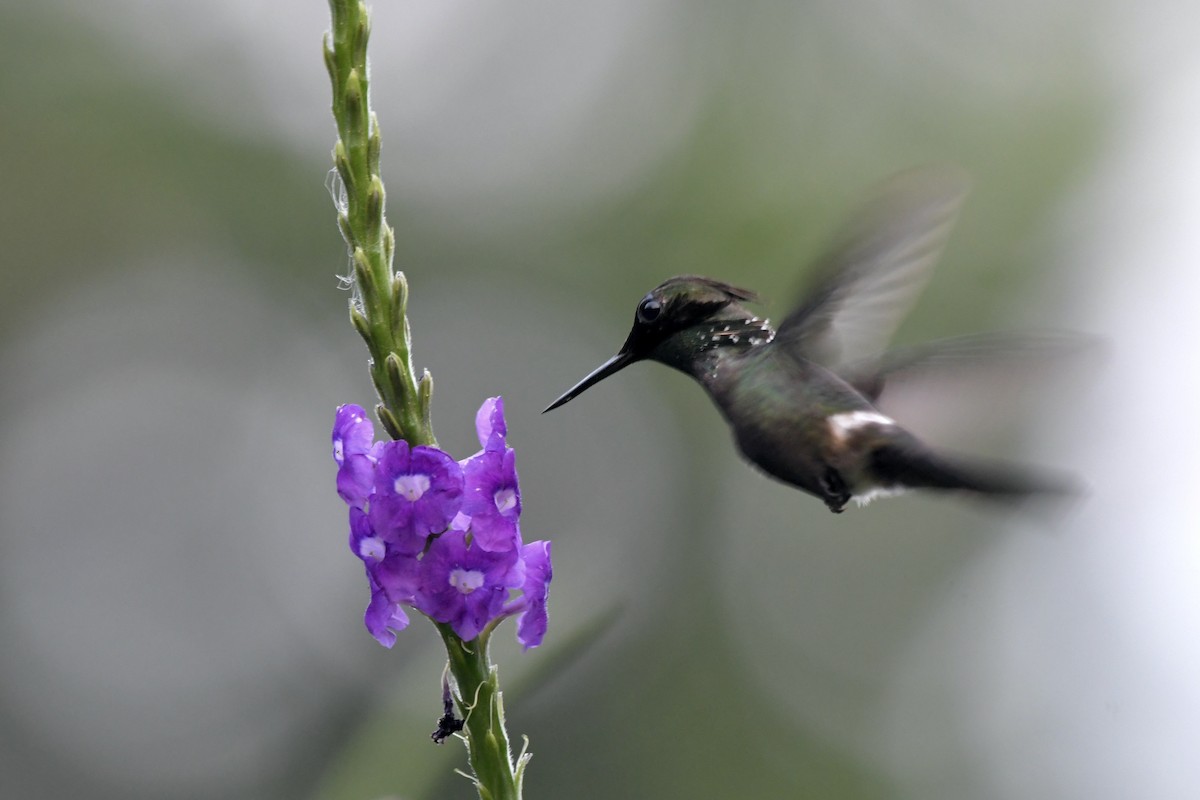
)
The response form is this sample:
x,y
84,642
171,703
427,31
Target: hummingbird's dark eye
x,y
649,310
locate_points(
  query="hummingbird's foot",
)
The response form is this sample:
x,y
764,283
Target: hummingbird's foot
x,y
834,491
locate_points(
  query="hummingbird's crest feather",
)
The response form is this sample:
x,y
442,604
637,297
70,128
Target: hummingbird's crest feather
x,y
700,288
878,266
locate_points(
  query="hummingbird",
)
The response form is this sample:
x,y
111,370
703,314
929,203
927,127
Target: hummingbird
x,y
801,399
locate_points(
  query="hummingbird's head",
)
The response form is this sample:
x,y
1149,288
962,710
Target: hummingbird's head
x,y
676,322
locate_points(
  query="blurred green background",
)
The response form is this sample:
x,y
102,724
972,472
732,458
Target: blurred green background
x,y
179,616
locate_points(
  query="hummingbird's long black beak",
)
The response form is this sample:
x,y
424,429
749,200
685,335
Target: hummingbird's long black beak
x,y
614,364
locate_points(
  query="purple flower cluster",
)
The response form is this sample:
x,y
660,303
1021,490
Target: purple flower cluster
x,y
439,535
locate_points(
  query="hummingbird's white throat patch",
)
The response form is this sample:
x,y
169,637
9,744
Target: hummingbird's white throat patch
x,y
842,425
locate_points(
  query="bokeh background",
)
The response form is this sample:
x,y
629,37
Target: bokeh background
x,y
179,614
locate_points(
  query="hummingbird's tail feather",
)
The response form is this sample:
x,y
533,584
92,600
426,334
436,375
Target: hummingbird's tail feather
x,y
919,468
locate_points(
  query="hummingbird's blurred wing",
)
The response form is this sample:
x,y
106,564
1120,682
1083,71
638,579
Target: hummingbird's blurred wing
x,y
947,388
984,354
878,266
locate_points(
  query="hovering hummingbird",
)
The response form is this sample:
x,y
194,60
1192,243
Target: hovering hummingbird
x,y
801,398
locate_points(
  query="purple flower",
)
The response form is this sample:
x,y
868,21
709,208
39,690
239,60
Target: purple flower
x,y
393,582
493,499
417,492
466,586
398,575
353,441
383,616
490,426
531,625
363,541
440,536
353,433
392,575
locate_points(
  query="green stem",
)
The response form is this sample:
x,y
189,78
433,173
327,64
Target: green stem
x,y
477,692
379,309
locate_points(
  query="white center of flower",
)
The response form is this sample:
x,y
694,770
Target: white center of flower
x,y
411,487
372,548
506,500
339,450
466,580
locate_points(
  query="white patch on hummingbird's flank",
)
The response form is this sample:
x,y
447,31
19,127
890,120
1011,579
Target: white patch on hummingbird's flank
x,y
842,425
878,493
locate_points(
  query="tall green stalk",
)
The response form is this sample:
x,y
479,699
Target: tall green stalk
x,y
378,310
